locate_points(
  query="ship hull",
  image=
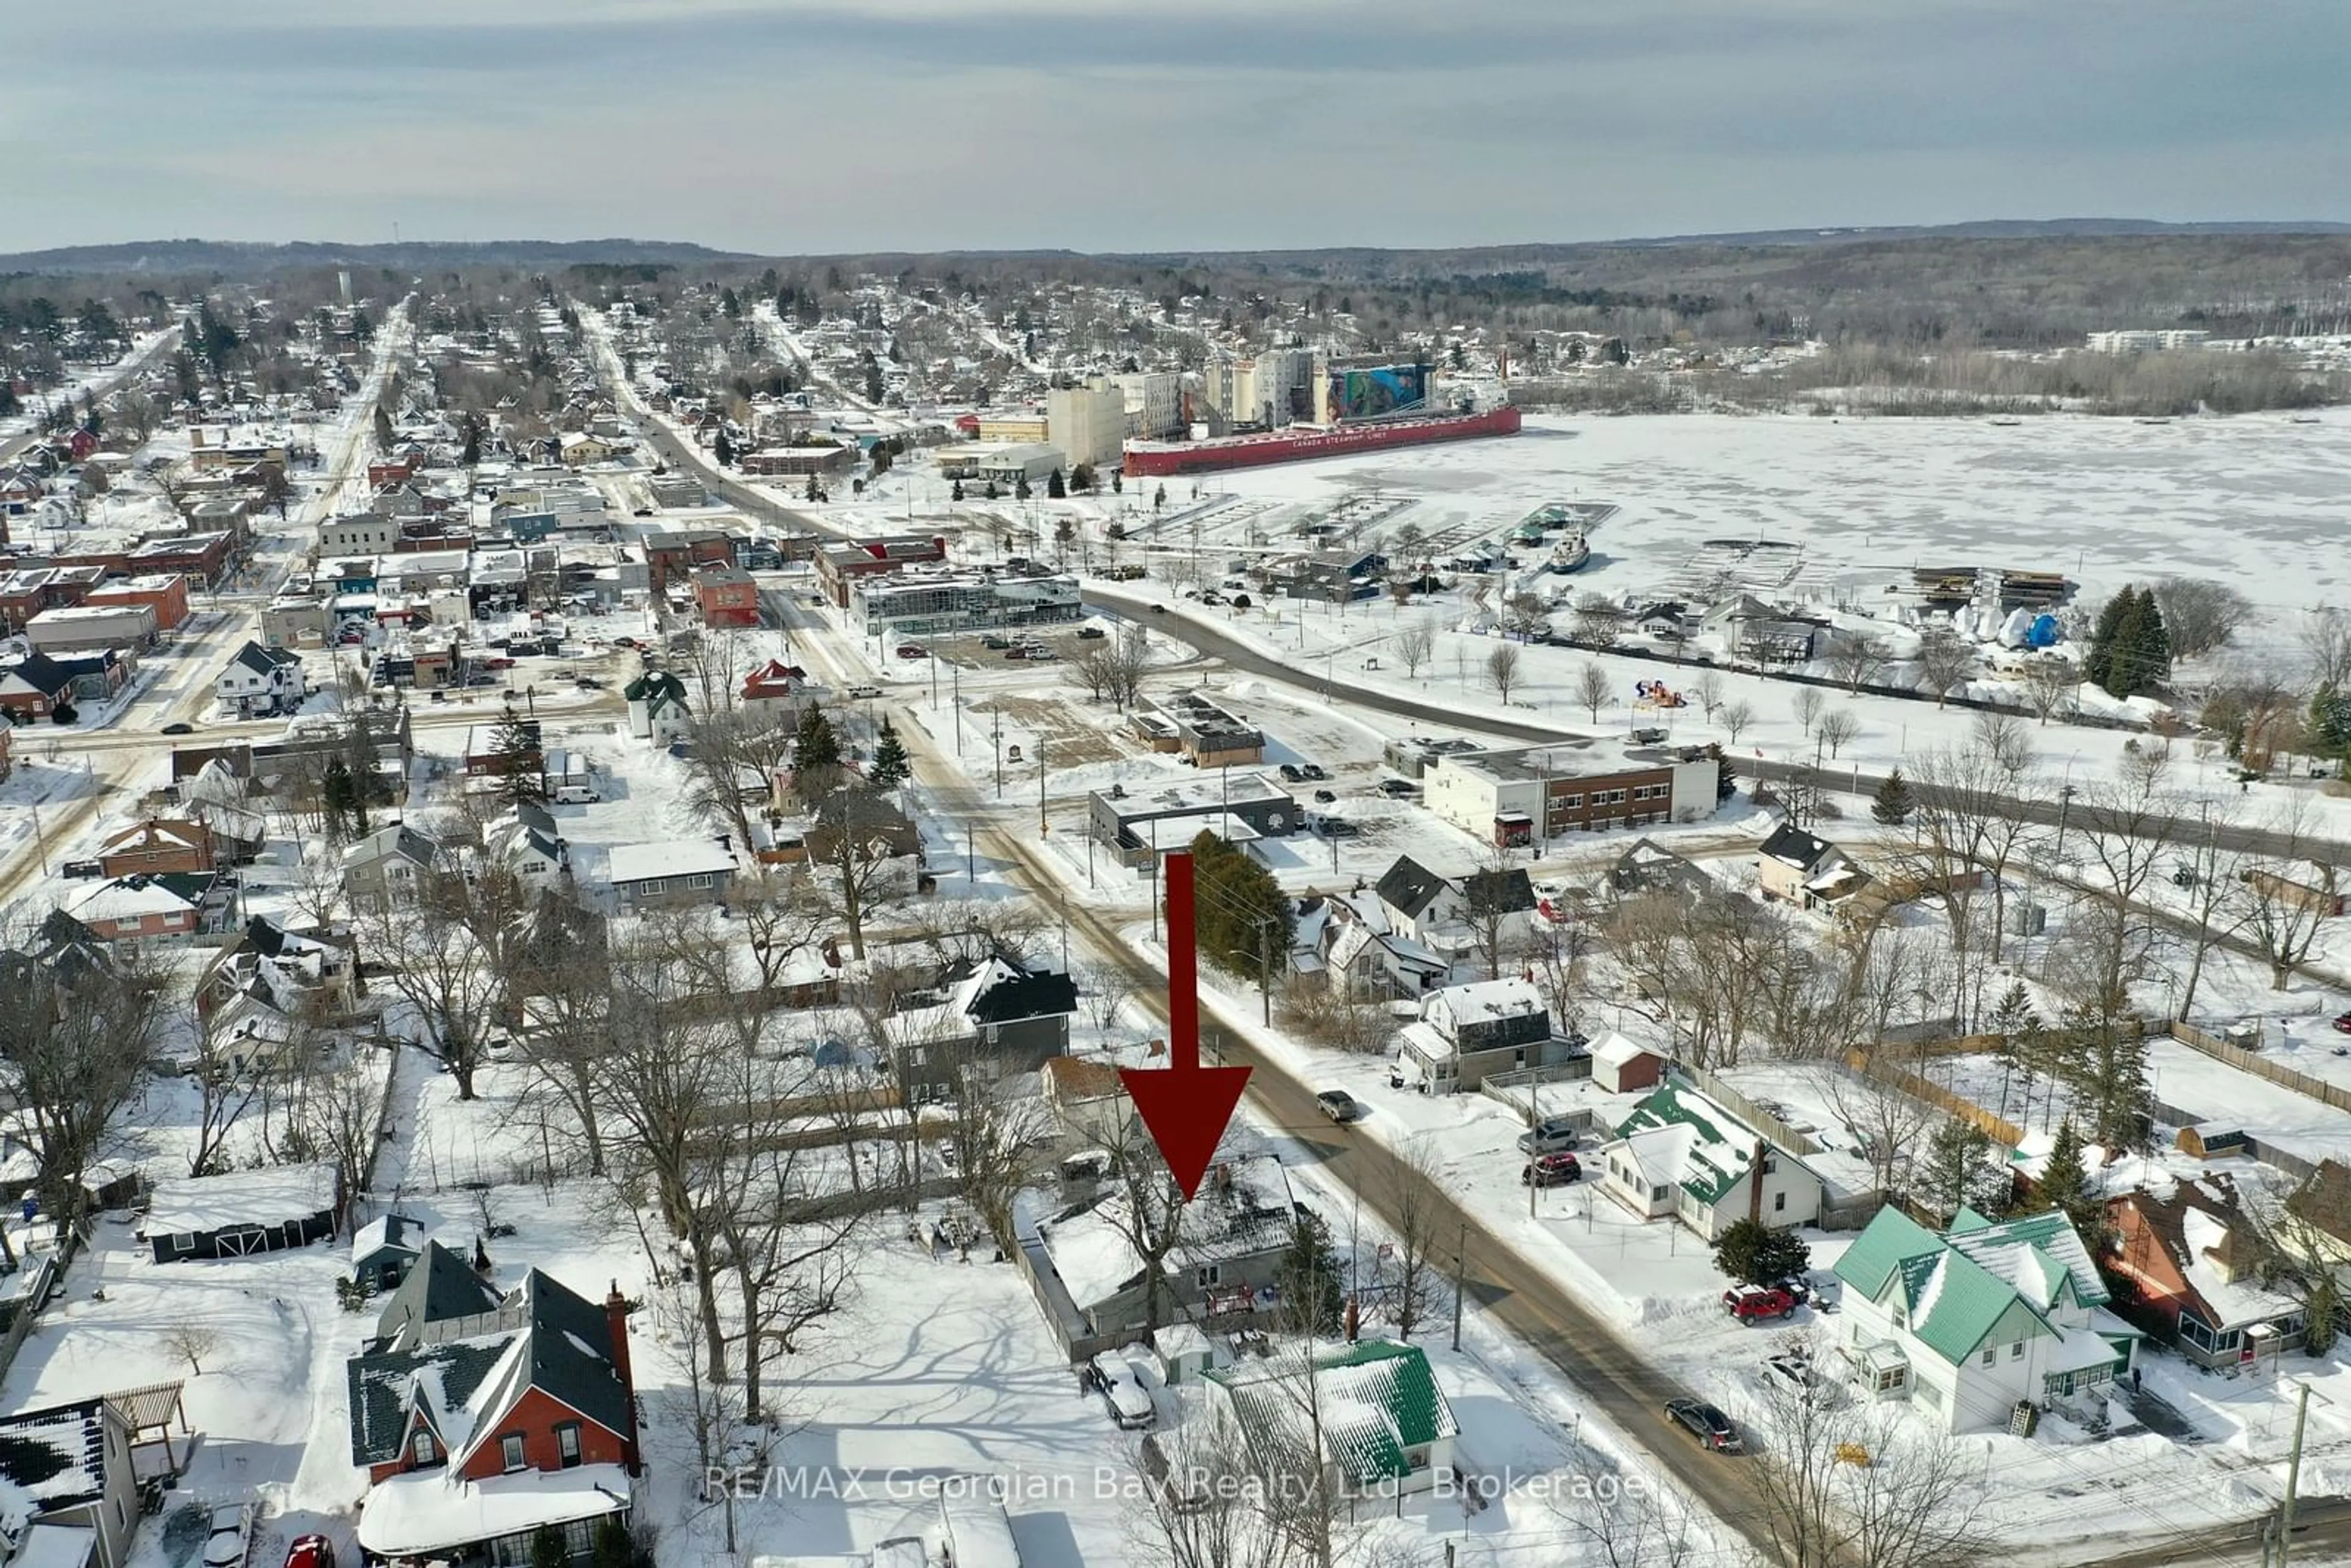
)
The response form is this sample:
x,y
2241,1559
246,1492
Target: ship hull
x,y
1149,459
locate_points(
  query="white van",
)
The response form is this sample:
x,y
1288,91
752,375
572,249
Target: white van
x,y
575,795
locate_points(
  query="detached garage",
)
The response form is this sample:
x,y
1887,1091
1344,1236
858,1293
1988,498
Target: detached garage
x,y
241,1213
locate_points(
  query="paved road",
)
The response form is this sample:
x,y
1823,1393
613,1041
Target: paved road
x,y
1195,626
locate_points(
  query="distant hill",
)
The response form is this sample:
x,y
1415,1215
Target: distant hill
x,y
1998,228
182,257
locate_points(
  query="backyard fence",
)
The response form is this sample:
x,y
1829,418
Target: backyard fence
x,y
2253,1061
1760,1117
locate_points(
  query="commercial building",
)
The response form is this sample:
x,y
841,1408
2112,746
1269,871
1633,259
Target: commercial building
x,y
1240,808
929,606
2141,342
1154,403
1009,466
361,533
1514,797
1087,422
1023,426
164,592
1206,734
726,596
838,566
83,627
829,459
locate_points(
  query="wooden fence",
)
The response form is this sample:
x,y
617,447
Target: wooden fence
x,y
2253,1061
1999,1129
1774,1131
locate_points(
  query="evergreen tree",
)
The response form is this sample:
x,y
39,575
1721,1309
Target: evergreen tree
x,y
1056,488
2100,656
814,491
1955,1171
1752,1253
2330,722
514,762
1020,487
383,429
1239,913
613,1547
1082,479
1308,1278
722,450
472,426
1894,803
2151,648
546,1548
891,766
2064,1187
957,494
339,798
1726,778
1116,485
816,756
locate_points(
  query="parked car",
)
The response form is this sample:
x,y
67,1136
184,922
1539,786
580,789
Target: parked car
x,y
1016,652
310,1552
1042,656
994,645
1325,797
1126,1388
180,727
1752,1303
500,663
625,643
575,795
1793,1370
913,651
1710,1426
1552,1170
1339,1105
1089,634
1398,789
1289,771
80,870
1159,609
859,693
230,1535
1552,1135
1312,770
643,512
587,683
2342,1023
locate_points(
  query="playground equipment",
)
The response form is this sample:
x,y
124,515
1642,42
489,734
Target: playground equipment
x,y
1657,694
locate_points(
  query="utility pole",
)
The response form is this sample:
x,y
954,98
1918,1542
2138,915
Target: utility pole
x,y
957,677
996,734
1265,965
1460,1279
2293,1477
1042,828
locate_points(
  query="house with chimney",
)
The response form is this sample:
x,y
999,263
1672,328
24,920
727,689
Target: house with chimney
x,y
2191,1263
1680,1156
1457,915
1801,868
1000,1016
1464,1033
483,1417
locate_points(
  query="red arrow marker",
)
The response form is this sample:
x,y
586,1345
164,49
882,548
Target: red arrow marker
x,y
1186,1106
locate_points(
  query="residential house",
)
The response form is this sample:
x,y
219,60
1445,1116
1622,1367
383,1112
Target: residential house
x,y
672,872
774,686
1679,1156
527,841
157,844
1230,1241
1382,1424
1463,918
1001,1017
479,1428
162,903
725,596
2189,1264
262,681
35,686
385,1250
1465,1033
242,1212
1088,1100
657,708
1360,953
1971,1324
1798,867
70,1484
384,868
1646,868
579,451
1746,628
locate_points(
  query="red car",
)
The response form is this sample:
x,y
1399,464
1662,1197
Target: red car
x,y
1552,1170
2343,1024
1753,1303
311,1551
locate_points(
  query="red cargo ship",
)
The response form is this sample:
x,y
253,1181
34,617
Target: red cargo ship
x,y
1147,458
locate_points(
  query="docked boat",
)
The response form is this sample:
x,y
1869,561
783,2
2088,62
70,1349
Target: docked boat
x,y
1571,553
2006,420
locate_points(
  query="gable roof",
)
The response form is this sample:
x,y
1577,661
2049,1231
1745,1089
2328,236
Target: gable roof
x,y
1410,887
1956,1287
1792,846
264,660
1374,1400
389,1232
656,689
395,839
998,991
442,1286
38,673
1504,889
1682,1138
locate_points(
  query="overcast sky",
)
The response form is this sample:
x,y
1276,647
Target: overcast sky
x,y
793,126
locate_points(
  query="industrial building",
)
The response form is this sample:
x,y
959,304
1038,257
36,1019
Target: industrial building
x,y
1088,424
1240,808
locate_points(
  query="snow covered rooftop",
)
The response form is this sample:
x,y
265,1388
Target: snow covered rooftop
x,y
241,1197
674,857
427,1512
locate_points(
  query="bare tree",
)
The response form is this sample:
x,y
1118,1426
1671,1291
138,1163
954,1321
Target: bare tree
x,y
1624,1520
1113,669
2199,613
1414,644
1836,728
190,1340
1598,619
1526,614
1593,689
1707,689
1331,1014
1856,661
2052,684
1410,1270
732,758
2283,907
1809,703
1943,660
2208,874
1888,1124
1736,715
1503,667
1105,988
852,846
446,955
2327,641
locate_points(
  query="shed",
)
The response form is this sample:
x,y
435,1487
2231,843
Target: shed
x,y
383,1250
1186,1352
242,1212
1622,1066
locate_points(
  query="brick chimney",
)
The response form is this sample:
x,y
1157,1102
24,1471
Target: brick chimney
x,y
616,1318
1755,1182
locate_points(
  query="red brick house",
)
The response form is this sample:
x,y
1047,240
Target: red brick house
x,y
167,903
2189,1265
679,552
158,845
468,1395
726,596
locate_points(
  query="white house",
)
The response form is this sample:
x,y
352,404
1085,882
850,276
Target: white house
x,y
1385,1423
657,708
1452,914
1806,870
527,841
1466,1032
1679,1156
261,681
1971,1324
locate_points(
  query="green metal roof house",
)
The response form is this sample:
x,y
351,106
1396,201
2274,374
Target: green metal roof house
x,y
1385,1424
1969,1323
1680,1156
